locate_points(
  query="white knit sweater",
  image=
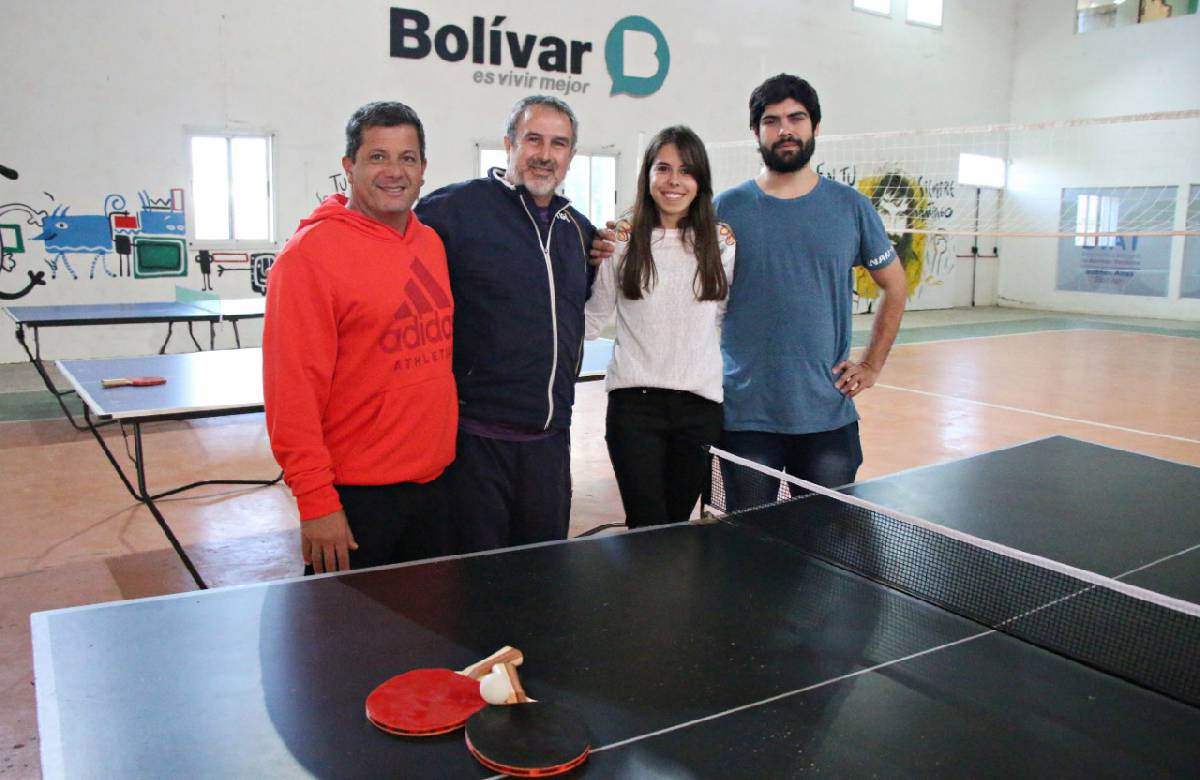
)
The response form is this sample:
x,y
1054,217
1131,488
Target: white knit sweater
x,y
666,339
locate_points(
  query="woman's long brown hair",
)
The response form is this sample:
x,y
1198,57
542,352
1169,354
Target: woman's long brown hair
x,y
699,225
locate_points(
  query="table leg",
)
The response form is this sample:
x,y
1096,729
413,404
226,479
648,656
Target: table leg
x,y
140,492
163,349
35,357
192,333
144,496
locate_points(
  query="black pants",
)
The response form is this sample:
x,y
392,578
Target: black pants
x,y
406,521
828,458
504,493
656,442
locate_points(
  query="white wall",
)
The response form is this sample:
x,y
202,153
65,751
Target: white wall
x,y
1136,69
98,98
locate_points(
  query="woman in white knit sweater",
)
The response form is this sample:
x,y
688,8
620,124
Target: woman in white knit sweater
x,y
666,284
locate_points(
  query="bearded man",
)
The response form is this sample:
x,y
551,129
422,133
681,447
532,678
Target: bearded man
x,y
789,380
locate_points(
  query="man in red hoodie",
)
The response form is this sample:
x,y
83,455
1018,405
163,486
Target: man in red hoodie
x,y
360,399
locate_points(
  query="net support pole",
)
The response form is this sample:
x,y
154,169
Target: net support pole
x,y
1178,248
975,251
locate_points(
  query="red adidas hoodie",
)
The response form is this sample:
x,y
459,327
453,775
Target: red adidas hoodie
x,y
357,356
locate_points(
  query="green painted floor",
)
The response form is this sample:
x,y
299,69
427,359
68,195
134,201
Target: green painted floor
x,y
919,334
35,405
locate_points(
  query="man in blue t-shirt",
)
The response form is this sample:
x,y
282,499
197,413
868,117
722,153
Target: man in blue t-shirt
x,y
789,379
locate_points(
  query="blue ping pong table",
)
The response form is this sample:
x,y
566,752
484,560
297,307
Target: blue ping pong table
x,y
692,651
215,311
597,353
198,384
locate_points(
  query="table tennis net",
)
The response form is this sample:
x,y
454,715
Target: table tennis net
x,y
1142,636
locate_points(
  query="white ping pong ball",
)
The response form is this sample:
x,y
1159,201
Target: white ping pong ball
x,y
495,687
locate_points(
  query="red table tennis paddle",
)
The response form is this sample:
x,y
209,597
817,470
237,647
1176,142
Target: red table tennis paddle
x,y
528,738
134,381
424,702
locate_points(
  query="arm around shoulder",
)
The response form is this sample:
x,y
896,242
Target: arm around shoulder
x,y
601,306
728,245
438,211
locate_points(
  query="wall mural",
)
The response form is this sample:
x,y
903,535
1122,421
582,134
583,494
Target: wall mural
x,y
905,203
12,243
340,187
148,242
257,264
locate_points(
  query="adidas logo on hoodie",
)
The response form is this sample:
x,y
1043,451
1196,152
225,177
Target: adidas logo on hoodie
x,y
425,319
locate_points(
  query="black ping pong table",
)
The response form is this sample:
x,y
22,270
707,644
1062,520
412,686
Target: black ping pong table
x,y
597,353
692,651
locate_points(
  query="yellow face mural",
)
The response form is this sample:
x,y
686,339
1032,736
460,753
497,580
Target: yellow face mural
x,y
902,205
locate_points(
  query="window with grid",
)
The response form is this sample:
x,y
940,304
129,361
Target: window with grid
x,y
232,188
590,185
1096,214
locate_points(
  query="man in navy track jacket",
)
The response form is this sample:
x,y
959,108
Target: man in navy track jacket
x,y
519,272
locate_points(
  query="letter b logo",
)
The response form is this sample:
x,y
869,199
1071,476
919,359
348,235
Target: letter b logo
x,y
614,57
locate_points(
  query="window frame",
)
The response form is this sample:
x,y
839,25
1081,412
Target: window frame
x,y
271,241
1097,213
586,151
929,25
854,6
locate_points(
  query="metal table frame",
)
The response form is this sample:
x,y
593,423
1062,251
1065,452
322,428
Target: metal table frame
x,y
95,417
169,312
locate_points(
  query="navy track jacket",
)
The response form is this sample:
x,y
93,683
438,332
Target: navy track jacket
x,y
518,299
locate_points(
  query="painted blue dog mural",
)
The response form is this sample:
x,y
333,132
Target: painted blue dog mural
x,y
78,234
100,235
148,243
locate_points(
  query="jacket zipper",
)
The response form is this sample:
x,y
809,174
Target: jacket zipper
x,y
545,247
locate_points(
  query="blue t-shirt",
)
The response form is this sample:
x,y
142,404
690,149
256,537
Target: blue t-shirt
x,y
788,320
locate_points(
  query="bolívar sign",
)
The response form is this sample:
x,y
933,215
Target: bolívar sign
x,y
546,63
